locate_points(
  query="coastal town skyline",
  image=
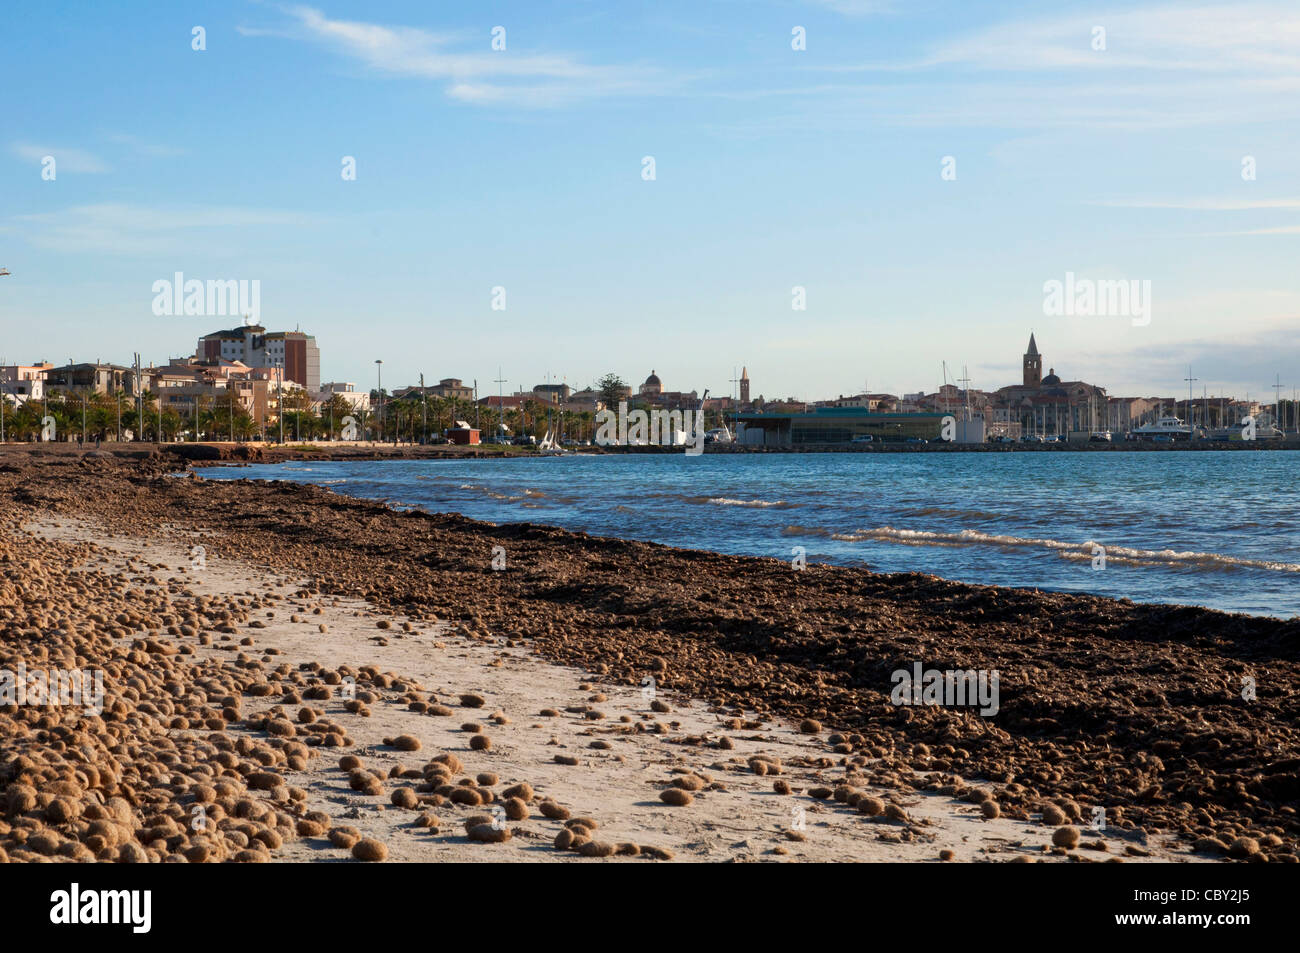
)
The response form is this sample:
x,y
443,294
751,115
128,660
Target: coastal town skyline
x,y
299,362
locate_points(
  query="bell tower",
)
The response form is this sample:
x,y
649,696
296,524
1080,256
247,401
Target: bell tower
x,y
1033,365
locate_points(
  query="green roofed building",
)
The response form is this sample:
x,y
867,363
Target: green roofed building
x,y
834,425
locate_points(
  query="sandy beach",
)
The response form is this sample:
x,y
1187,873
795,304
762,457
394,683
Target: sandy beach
x,y
320,678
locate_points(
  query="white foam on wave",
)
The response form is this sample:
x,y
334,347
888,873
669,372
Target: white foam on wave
x,y
1064,548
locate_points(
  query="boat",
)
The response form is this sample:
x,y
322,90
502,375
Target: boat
x,y
1164,429
549,447
1262,432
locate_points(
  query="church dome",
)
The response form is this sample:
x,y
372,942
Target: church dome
x,y
652,384
1051,379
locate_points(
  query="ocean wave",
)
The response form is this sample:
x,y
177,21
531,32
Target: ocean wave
x,y
959,513
804,531
484,490
696,499
1124,555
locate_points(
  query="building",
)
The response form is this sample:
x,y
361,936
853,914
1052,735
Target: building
x,y
584,401
1033,364
452,387
652,394
507,401
744,386
90,379
1049,405
1125,413
253,346
23,382
553,393
833,425
883,403
187,386
448,387
463,433
357,399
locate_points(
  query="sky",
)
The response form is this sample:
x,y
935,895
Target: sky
x,y
921,170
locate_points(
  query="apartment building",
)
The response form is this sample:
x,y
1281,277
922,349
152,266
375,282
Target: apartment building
x,y
253,346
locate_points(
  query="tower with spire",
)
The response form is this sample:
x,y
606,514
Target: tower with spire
x,y
744,385
1033,364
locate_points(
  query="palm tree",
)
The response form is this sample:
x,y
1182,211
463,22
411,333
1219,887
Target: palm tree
x,y
333,411
101,419
25,423
172,424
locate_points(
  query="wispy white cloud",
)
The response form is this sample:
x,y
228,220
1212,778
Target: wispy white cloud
x,y
472,70
1262,37
1165,66
1215,205
66,160
1202,205
856,8
119,228
1277,230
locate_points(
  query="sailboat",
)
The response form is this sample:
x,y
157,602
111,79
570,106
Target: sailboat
x,y
549,447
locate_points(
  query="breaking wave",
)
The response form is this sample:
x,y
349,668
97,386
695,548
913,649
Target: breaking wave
x,y
728,501
1123,555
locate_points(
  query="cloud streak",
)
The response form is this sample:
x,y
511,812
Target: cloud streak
x,y
479,76
1165,66
119,228
66,160
1203,205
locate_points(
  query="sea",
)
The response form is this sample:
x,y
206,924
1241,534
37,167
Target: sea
x,y
1216,529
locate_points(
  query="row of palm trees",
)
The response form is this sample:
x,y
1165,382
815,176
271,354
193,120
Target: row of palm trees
x,y
412,418
117,416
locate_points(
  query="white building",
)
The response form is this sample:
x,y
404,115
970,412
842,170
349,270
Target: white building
x,y
357,399
20,383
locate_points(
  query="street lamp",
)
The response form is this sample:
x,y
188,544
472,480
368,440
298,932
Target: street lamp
x,y
379,395
279,389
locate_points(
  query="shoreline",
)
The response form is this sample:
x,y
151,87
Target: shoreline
x,y
235,454
199,468
1133,709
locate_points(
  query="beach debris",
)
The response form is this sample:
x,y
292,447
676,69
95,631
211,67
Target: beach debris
x,y
369,849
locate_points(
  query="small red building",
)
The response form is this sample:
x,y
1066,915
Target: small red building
x,y
463,433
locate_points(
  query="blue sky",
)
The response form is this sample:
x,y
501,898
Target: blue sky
x,y
775,168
